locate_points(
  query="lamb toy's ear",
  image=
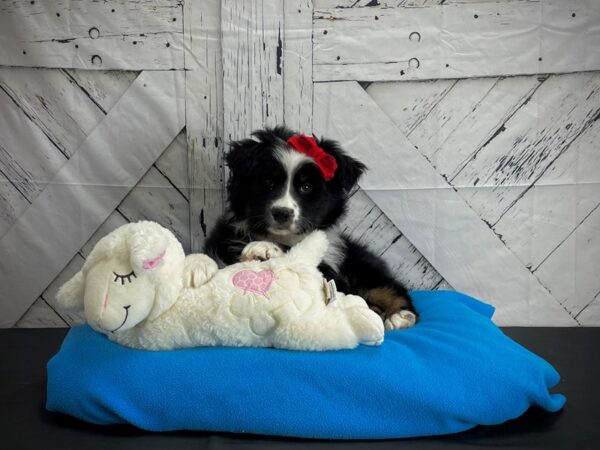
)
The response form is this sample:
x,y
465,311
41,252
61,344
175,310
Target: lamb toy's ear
x,y
155,252
148,245
70,295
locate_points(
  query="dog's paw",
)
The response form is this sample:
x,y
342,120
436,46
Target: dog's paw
x,y
401,319
261,251
197,270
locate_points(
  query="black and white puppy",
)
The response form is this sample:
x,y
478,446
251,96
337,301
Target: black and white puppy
x,y
278,194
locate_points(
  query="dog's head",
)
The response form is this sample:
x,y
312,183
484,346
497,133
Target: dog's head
x,y
276,190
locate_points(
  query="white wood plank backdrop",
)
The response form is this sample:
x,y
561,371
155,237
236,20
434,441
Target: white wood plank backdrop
x,y
513,157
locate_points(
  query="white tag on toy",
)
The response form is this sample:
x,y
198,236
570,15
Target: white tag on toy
x,y
330,291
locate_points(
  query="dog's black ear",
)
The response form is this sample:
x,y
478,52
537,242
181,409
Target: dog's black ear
x,y
349,169
241,156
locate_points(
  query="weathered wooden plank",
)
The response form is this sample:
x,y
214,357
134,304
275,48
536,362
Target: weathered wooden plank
x,y
571,271
430,213
297,65
38,106
113,34
409,103
204,117
468,116
88,188
103,87
501,170
252,34
46,96
29,171
456,40
103,90
559,201
41,315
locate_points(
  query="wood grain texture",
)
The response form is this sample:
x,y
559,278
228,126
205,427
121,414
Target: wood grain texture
x,y
367,224
252,46
298,65
51,114
88,188
501,170
408,104
430,213
112,34
557,204
204,117
455,40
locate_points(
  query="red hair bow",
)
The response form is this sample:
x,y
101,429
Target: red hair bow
x,y
308,146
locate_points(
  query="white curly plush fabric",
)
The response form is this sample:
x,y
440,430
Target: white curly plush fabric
x,y
276,303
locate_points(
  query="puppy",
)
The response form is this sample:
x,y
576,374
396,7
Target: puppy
x,y
281,187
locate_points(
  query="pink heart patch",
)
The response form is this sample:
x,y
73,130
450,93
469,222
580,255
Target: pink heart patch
x,y
251,281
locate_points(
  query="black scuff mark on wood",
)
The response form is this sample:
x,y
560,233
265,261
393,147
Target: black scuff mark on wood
x,y
279,50
372,3
170,182
502,129
202,223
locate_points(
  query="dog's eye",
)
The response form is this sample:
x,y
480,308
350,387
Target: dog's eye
x,y
306,188
269,183
122,278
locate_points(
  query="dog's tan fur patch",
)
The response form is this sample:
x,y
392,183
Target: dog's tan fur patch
x,y
384,301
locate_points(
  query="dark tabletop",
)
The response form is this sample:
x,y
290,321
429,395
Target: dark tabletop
x,y
24,423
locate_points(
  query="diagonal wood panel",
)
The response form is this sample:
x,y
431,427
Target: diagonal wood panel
x,y
88,188
551,201
430,213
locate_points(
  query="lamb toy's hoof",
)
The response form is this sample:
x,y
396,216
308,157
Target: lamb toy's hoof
x,y
197,270
366,323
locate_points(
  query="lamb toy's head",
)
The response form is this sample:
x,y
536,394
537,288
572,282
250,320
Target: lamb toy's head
x,y
133,273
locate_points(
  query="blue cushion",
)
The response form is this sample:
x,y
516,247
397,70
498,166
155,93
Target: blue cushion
x,y
452,371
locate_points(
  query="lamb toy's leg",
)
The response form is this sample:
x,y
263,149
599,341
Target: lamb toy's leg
x,y
198,269
342,324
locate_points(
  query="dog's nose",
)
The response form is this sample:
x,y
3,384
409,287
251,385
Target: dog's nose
x,y
282,215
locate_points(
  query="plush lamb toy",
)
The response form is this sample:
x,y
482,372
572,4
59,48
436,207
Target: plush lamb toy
x,y
136,287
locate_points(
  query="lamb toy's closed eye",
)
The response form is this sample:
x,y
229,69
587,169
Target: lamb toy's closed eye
x,y
139,289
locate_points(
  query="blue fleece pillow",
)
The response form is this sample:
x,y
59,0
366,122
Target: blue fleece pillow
x,y
455,369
